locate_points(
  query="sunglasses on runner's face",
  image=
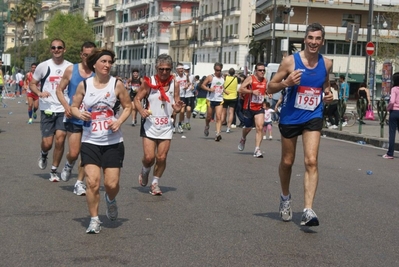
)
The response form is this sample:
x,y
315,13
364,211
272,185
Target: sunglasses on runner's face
x,y
164,69
57,47
261,70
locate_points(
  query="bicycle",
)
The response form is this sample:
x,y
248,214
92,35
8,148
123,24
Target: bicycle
x,y
350,118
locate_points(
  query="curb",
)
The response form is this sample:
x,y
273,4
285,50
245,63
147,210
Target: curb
x,y
354,137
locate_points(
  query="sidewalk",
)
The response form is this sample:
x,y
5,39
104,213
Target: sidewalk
x,y
370,132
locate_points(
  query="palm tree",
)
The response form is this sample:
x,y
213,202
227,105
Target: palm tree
x,y
30,9
17,16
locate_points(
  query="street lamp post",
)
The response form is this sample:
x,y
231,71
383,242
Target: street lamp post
x,y
369,22
290,12
178,9
272,48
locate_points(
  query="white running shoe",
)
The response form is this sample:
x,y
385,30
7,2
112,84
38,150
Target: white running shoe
x,y
112,209
241,145
285,209
79,189
42,162
94,227
54,177
264,137
309,218
66,173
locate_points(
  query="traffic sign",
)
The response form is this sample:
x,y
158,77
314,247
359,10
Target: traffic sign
x,y
370,48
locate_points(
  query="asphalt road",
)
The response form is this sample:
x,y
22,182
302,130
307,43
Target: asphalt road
x,y
219,207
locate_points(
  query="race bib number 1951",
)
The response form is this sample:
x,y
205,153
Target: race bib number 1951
x,y
307,98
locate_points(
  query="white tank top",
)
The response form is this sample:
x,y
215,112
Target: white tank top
x,y
216,95
104,106
159,125
182,81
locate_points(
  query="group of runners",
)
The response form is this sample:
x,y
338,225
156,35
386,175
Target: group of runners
x,y
85,104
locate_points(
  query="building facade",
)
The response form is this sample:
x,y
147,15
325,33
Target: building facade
x,y
337,16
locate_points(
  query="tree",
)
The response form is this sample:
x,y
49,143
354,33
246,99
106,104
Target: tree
x,y
30,9
387,44
17,16
73,29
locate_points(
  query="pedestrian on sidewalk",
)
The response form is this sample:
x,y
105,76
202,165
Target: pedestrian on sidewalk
x,y
393,108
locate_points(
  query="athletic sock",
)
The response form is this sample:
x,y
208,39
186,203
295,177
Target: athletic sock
x,y
155,180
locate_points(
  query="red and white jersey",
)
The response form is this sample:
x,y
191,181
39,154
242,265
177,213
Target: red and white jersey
x,y
182,81
255,102
218,84
160,124
49,75
104,106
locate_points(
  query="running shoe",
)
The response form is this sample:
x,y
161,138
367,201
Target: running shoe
x,y
143,177
270,137
218,138
179,129
42,162
264,137
66,173
309,218
79,189
258,154
206,131
285,209
30,121
34,115
112,208
386,156
174,129
155,190
133,123
233,126
241,145
188,126
94,227
54,177
228,130
344,124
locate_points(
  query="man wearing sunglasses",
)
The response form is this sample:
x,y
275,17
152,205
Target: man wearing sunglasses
x,y
73,75
48,74
253,90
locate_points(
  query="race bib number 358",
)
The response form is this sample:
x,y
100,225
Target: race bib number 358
x,y
308,98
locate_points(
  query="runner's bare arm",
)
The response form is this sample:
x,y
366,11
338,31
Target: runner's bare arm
x,y
60,90
283,76
142,92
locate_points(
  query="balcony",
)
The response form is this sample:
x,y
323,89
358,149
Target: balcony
x,y
179,43
234,11
97,7
332,32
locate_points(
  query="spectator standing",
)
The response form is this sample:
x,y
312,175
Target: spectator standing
x,y
393,108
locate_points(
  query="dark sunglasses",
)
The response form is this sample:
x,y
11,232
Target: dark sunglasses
x,y
164,69
262,70
57,47
217,70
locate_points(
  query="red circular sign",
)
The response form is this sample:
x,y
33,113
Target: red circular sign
x,y
370,48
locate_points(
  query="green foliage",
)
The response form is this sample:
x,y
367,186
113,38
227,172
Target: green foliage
x,y
73,29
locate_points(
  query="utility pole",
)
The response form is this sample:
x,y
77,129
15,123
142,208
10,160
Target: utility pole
x,y
221,35
369,24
